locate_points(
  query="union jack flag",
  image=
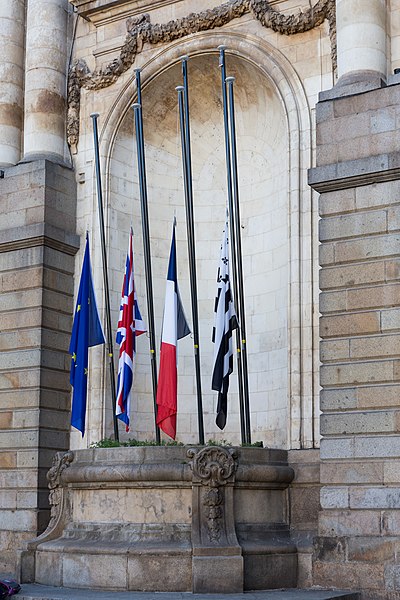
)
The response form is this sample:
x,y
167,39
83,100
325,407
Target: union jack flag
x,y
130,325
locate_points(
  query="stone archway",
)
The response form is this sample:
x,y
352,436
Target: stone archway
x,y
274,152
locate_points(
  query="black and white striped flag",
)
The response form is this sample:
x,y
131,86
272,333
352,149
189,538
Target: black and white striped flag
x,y
225,322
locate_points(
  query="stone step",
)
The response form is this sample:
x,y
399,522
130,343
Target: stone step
x,y
42,592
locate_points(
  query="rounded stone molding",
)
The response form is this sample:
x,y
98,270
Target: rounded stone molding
x,y
142,528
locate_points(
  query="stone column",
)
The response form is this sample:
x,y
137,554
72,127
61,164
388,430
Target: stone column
x,y
361,38
11,80
45,79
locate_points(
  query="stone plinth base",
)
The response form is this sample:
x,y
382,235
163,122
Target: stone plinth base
x,y
221,574
148,519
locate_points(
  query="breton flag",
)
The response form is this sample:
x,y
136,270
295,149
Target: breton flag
x,y
130,325
86,331
225,323
174,328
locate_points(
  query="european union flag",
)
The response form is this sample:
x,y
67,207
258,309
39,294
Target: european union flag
x,y
86,331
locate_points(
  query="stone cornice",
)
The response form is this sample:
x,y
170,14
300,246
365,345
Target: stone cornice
x,y
141,31
39,234
354,173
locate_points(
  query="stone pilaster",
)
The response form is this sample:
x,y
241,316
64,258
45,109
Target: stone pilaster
x,y
358,176
45,79
36,285
215,546
12,34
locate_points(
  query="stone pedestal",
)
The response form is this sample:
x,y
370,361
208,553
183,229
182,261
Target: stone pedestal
x,y
143,519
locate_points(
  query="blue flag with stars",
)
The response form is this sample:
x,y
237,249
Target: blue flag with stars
x,y
86,331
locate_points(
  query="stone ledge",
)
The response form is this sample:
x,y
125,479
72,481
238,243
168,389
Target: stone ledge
x,y
354,173
41,592
39,234
353,84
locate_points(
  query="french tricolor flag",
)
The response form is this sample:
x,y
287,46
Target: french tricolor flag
x,y
174,328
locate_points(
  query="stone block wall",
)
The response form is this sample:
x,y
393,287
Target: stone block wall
x,y
37,247
304,505
357,173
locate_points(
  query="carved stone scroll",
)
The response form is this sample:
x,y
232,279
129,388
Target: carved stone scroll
x,y
59,515
140,31
215,545
60,462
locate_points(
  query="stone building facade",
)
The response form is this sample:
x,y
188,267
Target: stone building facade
x,y
317,121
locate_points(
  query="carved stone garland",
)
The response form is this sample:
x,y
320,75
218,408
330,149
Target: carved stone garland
x,y
141,31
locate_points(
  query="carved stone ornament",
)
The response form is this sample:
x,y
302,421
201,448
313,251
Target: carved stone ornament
x,y
214,466
212,469
141,31
213,503
60,462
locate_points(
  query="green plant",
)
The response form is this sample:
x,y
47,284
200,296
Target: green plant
x,y
223,443
110,443
253,445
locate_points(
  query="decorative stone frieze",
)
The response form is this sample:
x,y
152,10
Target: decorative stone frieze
x,y
141,31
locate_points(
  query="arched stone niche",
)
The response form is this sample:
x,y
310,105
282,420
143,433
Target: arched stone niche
x,y
273,137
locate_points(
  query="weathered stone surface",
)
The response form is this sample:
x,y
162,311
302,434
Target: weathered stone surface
x,y
343,226
157,571
352,275
369,549
352,472
334,497
356,575
328,549
358,373
94,570
305,505
359,422
206,574
375,497
163,528
37,243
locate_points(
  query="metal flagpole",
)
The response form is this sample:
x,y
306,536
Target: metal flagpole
x,y
146,243
243,429
183,98
242,320
94,117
